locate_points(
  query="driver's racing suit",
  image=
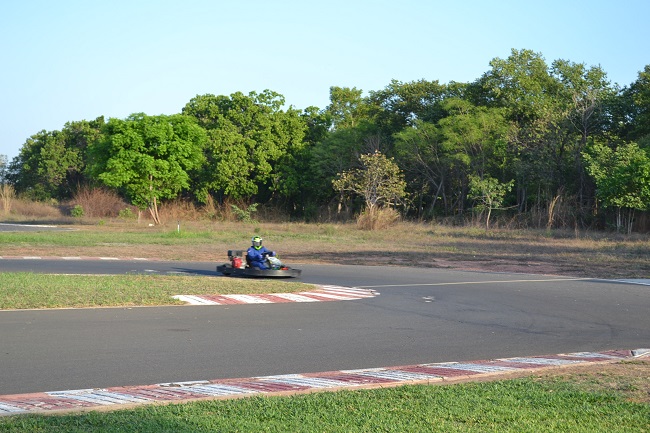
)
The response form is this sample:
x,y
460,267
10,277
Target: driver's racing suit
x,y
257,258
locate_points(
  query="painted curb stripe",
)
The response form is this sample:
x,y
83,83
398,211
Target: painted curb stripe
x,y
176,391
322,294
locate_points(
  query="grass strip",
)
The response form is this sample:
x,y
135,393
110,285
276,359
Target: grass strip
x,y
22,290
519,405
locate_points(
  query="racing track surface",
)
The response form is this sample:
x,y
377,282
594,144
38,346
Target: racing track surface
x,y
420,316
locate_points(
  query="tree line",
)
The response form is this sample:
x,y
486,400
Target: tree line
x,y
550,145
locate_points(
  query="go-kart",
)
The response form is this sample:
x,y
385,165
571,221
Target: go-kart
x,y
240,266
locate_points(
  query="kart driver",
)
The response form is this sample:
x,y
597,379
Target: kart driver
x,y
257,254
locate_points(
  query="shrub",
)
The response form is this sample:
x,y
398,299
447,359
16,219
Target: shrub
x,y
77,211
98,202
244,215
126,213
377,219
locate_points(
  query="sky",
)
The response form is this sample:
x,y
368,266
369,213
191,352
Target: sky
x,y
72,60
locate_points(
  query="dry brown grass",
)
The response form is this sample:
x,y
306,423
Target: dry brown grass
x,y
557,252
99,202
596,255
378,219
31,210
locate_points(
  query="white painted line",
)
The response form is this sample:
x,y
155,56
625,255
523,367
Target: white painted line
x,y
544,361
32,258
11,409
295,297
26,225
312,382
248,299
195,300
219,390
636,281
184,384
331,296
588,355
478,368
483,282
358,294
108,258
399,375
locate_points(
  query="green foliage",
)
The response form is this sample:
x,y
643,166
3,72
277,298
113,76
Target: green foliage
x,y
379,181
636,109
77,211
252,143
244,215
126,213
51,164
347,108
149,157
523,119
622,176
490,194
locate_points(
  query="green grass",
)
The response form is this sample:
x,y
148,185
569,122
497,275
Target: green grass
x,y
521,405
21,290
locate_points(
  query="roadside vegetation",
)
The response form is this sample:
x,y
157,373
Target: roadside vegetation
x,y
528,144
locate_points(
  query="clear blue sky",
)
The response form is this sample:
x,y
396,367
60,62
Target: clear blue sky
x,y
68,60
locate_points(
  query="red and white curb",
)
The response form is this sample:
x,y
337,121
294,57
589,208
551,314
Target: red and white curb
x,y
85,399
323,293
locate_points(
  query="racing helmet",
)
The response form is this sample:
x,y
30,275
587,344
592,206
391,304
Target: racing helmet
x,y
257,242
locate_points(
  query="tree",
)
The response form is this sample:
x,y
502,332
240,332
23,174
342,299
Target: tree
x,y
424,157
379,181
583,95
251,143
149,157
347,107
490,193
3,168
622,178
400,105
50,164
6,190
637,113
41,168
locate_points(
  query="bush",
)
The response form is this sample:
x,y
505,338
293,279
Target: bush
x,y
126,214
98,202
77,211
377,219
244,215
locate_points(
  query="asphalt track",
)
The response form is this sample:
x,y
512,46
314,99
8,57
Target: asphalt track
x,y
420,316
